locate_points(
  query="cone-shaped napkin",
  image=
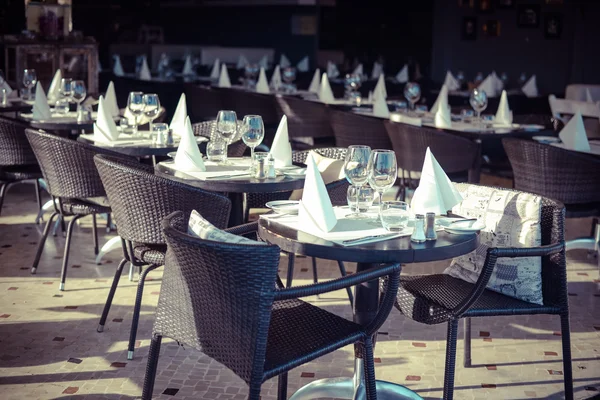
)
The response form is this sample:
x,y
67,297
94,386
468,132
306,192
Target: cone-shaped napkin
x,y
262,86
488,86
358,70
573,134
281,150
54,89
435,192
315,85
332,70
105,129
276,79
110,100
325,92
402,76
224,77
242,62
188,157
179,118
264,62
214,73
377,70
442,97
588,96
188,68
530,88
503,115
316,210
451,82
6,86
442,117
145,70
118,67
41,110
302,66
380,108
284,62
380,90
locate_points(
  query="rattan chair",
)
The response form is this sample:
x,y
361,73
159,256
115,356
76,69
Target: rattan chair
x,y
224,299
71,177
353,129
203,102
208,129
17,161
304,118
139,200
440,298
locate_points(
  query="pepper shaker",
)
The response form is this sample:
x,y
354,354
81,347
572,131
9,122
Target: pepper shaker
x,y
169,140
260,169
430,233
418,235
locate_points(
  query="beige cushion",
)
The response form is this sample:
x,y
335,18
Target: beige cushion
x,y
200,227
512,219
331,170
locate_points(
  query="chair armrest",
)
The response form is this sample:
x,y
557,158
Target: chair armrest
x,y
244,229
336,284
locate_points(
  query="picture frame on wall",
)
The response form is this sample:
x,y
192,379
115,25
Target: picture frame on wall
x,y
485,6
528,16
491,28
469,28
553,26
505,3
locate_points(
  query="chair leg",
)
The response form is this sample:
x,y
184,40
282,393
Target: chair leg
x,y
290,270
136,310
467,325
38,194
3,188
349,290
370,383
111,295
40,247
63,274
282,382
565,331
153,354
314,270
95,232
108,222
450,359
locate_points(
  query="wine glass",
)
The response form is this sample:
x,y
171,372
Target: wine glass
x,y
29,81
66,88
412,92
253,133
383,171
251,72
357,173
135,105
227,126
151,107
79,92
478,100
289,75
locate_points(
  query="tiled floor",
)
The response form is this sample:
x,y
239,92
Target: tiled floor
x,y
49,347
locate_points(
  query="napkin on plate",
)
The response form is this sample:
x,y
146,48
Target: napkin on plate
x,y
180,117
145,70
315,86
503,115
41,110
242,62
573,134
435,192
105,129
358,70
332,70
276,78
281,150
214,72
325,92
443,96
380,90
188,68
402,76
451,82
117,67
377,70
303,66
380,108
262,86
264,62
284,62
315,210
110,100
530,88
488,86
588,96
224,77
188,157
54,89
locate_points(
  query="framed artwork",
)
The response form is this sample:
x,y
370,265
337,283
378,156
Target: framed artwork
x,y
554,1
485,6
528,16
469,28
491,28
505,3
553,26
466,3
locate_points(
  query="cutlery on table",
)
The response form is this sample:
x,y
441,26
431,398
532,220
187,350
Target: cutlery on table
x,y
384,235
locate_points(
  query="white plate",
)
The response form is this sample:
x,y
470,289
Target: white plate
x,y
460,228
546,139
284,206
532,127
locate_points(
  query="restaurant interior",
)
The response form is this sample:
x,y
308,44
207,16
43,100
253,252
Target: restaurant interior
x,y
299,199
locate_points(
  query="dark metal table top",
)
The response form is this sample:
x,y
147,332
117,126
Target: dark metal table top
x,y
16,106
141,150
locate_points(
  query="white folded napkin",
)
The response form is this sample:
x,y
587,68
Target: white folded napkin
x,y
281,149
488,86
503,116
315,211
442,118
117,67
54,89
377,70
380,108
530,88
451,82
315,84
264,62
442,97
188,68
110,100
180,117
145,70
276,78
498,84
284,62
358,70
41,110
224,77
402,75
303,66
332,70
105,129
214,73
325,92
262,85
573,135
588,96
6,86
435,192
188,157
380,90
242,62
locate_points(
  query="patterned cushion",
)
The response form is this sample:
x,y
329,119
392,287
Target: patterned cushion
x,y
200,227
512,219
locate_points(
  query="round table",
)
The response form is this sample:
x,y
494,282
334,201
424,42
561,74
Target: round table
x,y
145,150
16,107
366,299
235,187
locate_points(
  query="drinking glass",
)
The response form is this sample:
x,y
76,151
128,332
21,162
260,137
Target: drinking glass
x,y
216,150
29,80
66,88
151,107
479,101
394,215
159,133
253,132
251,72
79,92
383,171
357,173
478,78
412,92
288,75
366,196
135,105
227,126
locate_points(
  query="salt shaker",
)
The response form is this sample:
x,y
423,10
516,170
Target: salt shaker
x,y
418,235
260,169
270,167
169,140
430,233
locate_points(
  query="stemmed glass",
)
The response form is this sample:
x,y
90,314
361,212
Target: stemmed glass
x,y
227,127
135,105
253,133
79,92
383,171
251,72
29,81
151,107
357,172
289,75
479,101
412,92
352,83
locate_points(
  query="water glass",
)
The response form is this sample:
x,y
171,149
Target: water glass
x,y
29,79
216,150
126,126
355,168
61,106
479,101
135,105
383,171
227,126
395,215
253,132
66,88
412,92
159,133
400,106
79,92
151,107
366,195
